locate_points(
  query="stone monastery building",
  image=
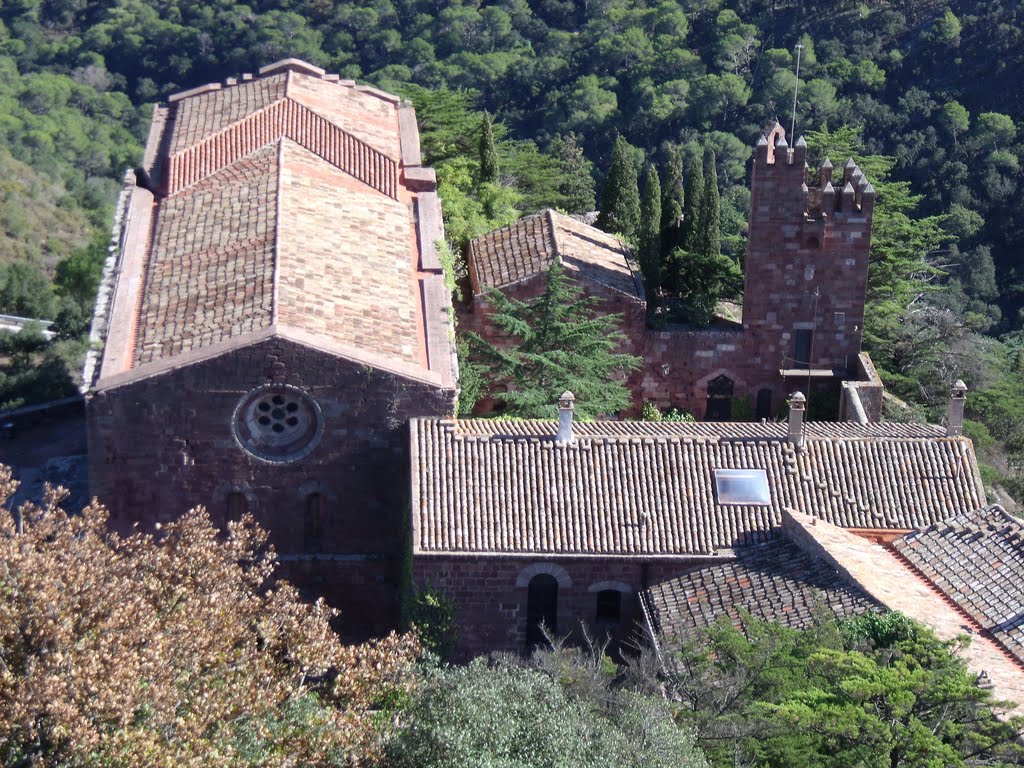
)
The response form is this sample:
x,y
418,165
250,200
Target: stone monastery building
x,y
274,337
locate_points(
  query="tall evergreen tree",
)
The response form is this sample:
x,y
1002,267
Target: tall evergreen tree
x,y
649,237
709,218
577,182
554,343
672,200
489,172
620,198
692,206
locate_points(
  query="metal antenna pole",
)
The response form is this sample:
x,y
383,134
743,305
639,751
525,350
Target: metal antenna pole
x,y
796,88
810,349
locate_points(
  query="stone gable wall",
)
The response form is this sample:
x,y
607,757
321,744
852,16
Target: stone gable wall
x,y
161,445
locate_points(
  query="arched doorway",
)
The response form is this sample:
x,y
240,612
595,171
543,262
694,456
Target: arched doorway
x,y
541,609
719,407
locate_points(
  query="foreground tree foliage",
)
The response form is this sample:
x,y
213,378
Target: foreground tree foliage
x,y
538,714
554,343
173,650
878,691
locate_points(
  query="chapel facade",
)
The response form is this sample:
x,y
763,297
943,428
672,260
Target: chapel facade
x,y
272,315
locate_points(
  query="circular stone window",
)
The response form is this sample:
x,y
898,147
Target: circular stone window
x,y
277,423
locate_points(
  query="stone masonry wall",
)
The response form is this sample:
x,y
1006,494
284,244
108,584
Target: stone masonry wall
x,y
161,445
490,594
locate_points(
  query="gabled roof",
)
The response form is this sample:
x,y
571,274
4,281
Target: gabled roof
x,y
776,581
977,561
525,249
635,488
292,201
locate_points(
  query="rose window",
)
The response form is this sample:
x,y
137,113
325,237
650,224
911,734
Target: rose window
x,y
277,423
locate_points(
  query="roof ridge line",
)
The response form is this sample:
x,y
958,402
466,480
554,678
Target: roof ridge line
x,y
279,118
552,240
275,286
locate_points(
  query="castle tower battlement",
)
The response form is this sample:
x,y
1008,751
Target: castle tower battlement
x,y
807,256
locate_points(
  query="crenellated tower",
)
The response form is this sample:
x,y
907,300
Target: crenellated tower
x,y
807,259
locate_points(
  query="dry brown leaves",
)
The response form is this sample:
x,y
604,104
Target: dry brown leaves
x,y
159,650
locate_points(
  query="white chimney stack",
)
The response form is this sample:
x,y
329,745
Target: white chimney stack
x,y
797,406
955,416
566,404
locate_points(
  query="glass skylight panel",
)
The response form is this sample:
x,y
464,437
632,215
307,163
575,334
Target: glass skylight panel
x,y
742,486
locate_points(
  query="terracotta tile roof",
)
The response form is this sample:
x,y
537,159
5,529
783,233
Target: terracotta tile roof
x,y
976,560
525,248
487,486
293,200
211,264
774,582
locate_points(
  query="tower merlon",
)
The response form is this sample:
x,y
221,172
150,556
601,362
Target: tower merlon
x,y
800,152
825,173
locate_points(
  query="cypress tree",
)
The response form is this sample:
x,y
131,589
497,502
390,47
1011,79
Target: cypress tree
x,y
489,172
672,201
710,209
577,182
620,198
649,237
692,207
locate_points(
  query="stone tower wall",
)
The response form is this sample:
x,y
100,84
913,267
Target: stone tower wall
x,y
807,255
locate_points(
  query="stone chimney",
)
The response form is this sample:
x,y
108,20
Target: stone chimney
x,y
566,403
955,416
797,406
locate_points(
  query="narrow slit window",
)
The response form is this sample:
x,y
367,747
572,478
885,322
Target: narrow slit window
x,y
236,507
742,487
312,528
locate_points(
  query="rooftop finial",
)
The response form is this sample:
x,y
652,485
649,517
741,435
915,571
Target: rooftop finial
x,y
955,415
566,405
797,407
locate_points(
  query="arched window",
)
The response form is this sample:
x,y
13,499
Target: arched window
x,y
541,609
312,524
764,403
237,506
609,609
719,399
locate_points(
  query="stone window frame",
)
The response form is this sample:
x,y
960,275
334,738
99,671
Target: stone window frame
x,y
552,569
601,587
242,428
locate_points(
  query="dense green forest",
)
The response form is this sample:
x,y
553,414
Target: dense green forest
x,y
925,93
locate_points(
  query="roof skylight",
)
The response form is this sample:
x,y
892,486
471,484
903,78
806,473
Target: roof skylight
x,y
742,487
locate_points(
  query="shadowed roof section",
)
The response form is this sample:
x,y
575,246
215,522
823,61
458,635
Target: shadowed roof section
x,y
774,582
525,249
291,201
632,488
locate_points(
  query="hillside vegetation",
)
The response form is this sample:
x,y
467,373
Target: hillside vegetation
x,y
926,92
